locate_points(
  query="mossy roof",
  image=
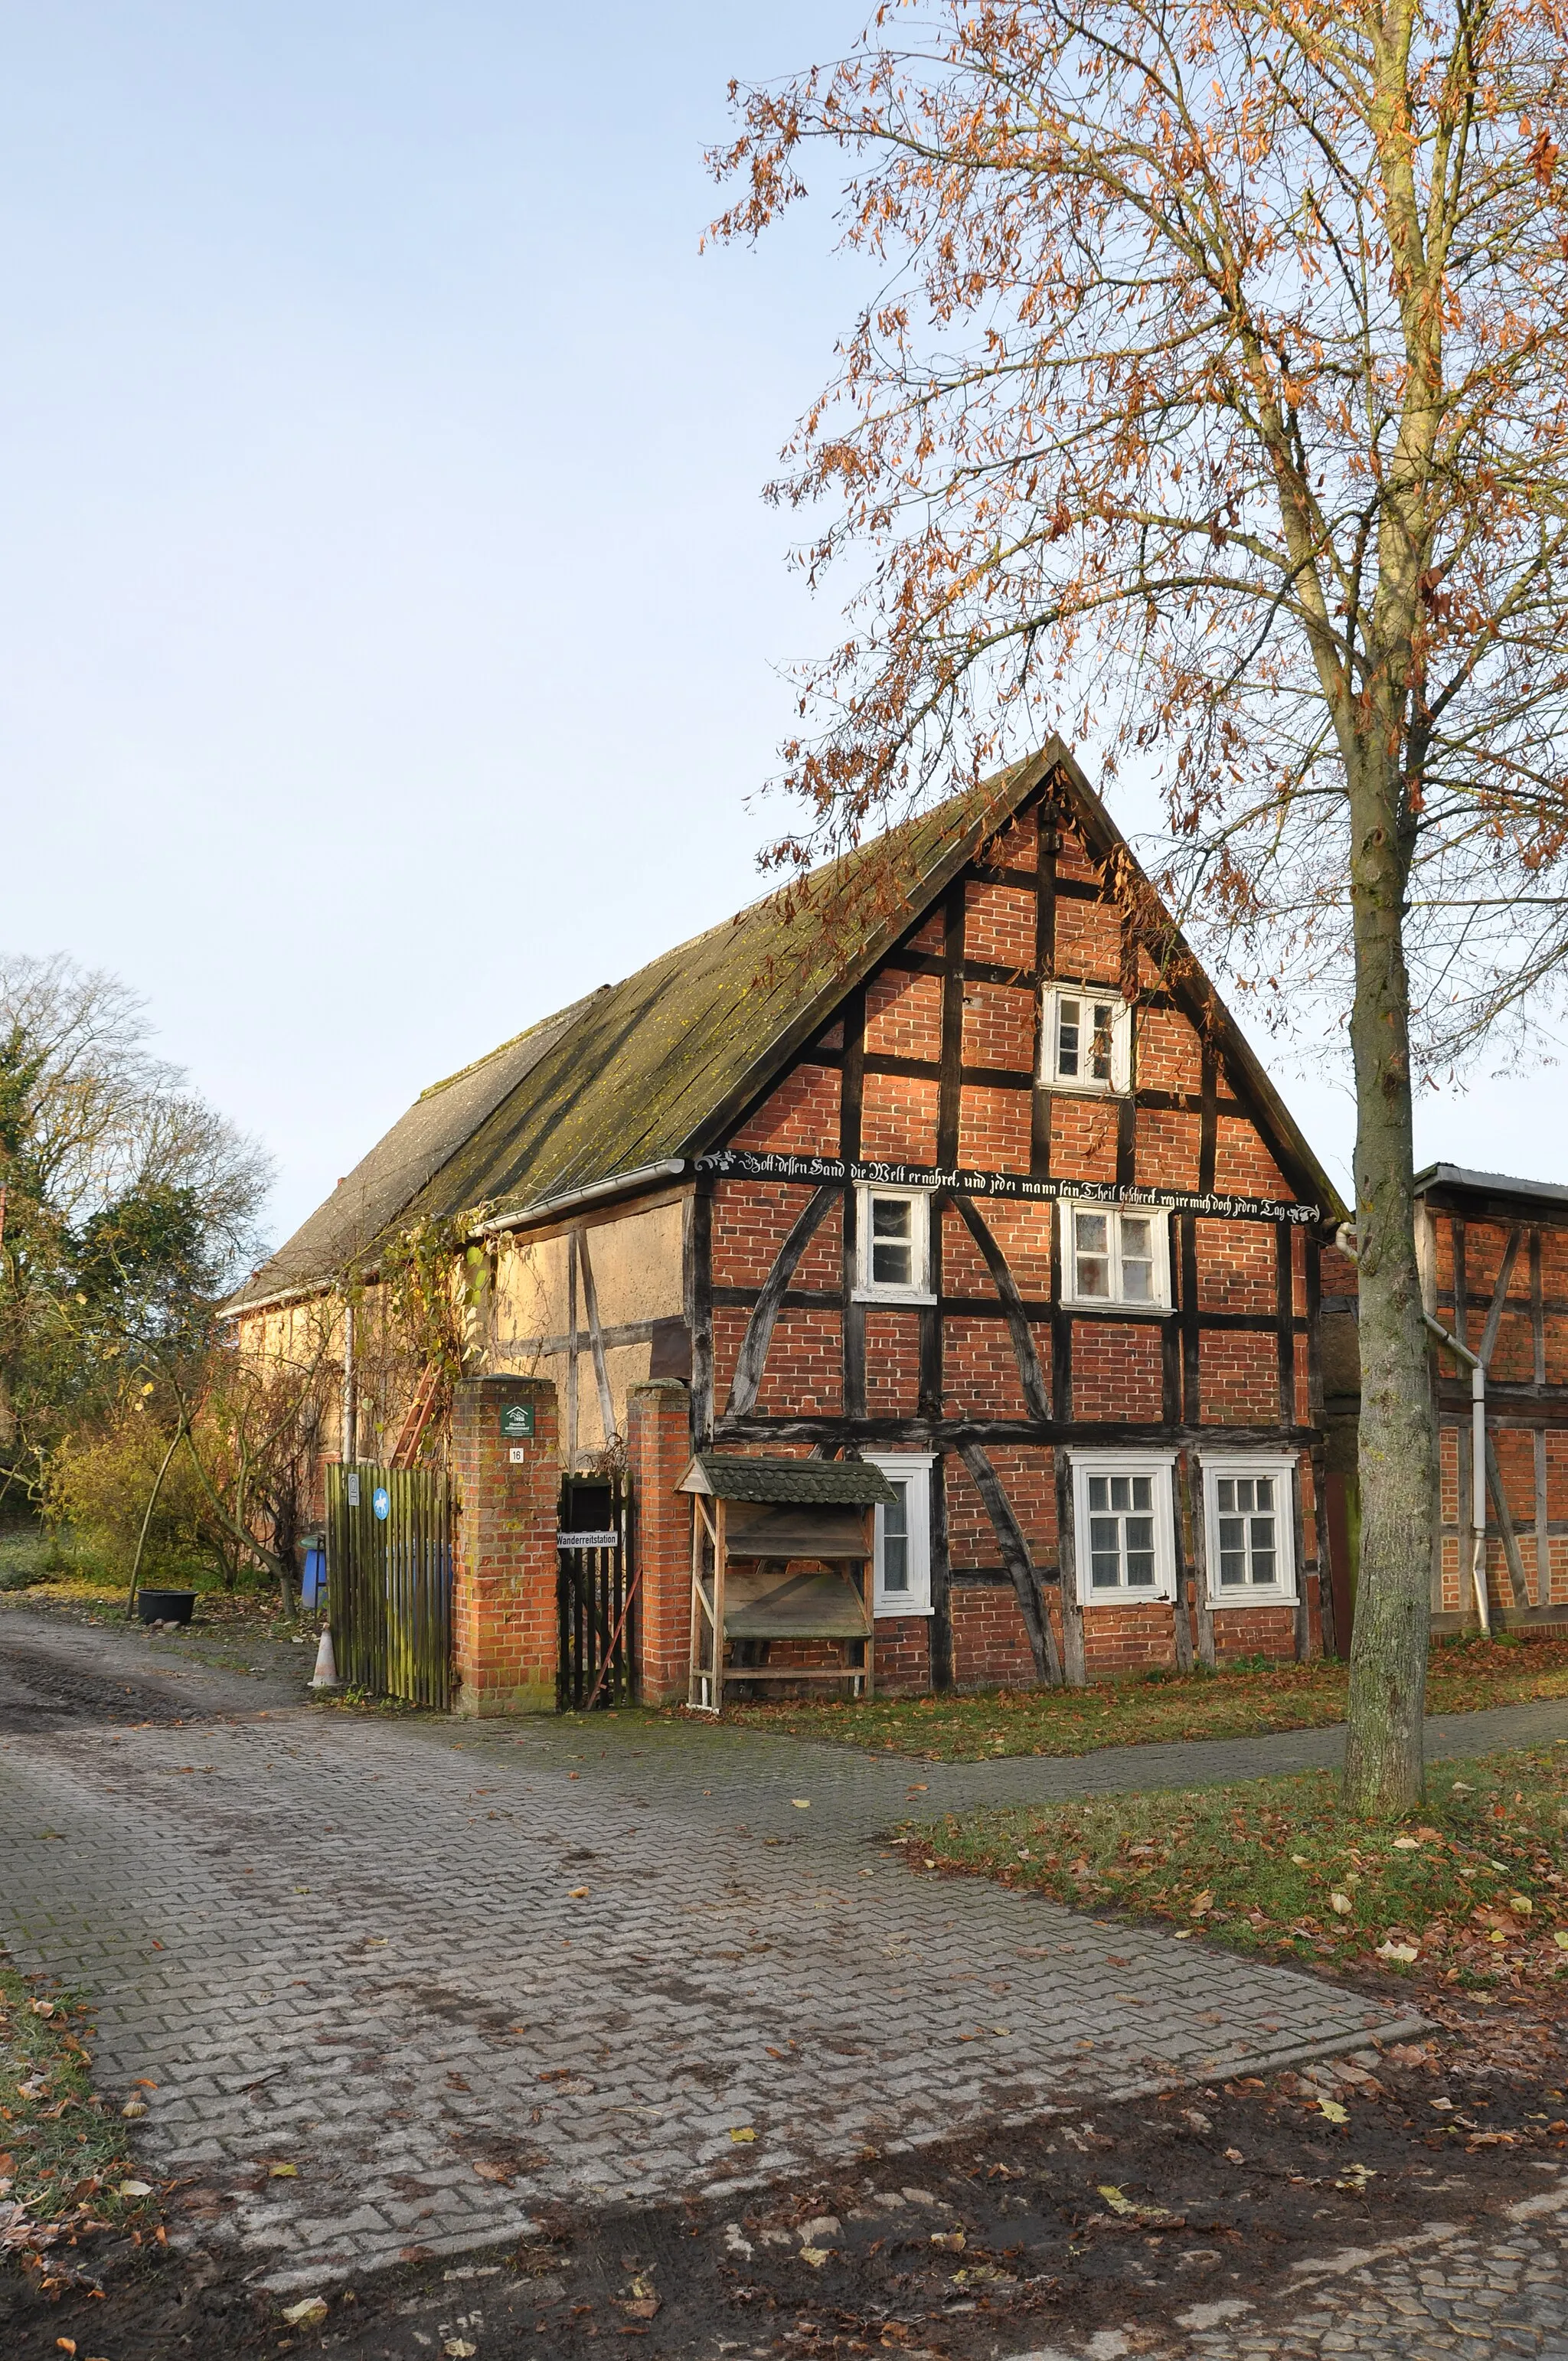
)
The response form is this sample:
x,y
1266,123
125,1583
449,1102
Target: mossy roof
x,y
660,1067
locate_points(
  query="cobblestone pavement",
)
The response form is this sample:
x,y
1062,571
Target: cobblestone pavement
x,y
452,1972
1437,2293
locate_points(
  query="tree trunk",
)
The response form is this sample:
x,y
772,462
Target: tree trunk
x,y
1384,1766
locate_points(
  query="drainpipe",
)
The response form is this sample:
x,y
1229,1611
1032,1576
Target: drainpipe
x,y
350,1451
1477,1465
1344,1238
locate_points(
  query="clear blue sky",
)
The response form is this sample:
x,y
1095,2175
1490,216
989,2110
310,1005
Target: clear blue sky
x,y
390,628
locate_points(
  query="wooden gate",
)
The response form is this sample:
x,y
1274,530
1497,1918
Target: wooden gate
x,y
595,1588
389,1563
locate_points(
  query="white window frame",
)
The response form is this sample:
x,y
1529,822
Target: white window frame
x,y
1154,1464
914,1468
1160,1222
869,1289
1121,1081
1282,1591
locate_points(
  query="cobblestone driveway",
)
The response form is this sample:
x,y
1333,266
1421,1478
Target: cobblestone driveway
x,y
452,1972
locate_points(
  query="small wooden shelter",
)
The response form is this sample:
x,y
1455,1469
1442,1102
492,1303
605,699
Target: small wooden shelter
x,y
782,1549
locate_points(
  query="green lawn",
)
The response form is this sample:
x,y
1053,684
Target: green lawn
x,y
1238,1702
65,2165
1468,1892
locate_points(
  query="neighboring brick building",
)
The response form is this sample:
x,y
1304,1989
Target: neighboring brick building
x,y
990,1191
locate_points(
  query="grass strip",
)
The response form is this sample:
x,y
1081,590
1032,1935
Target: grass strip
x,y
1244,1699
1470,1892
66,2170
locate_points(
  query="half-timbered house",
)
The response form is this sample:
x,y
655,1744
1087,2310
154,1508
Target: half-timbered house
x,y
964,1170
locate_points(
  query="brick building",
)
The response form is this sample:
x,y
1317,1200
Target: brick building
x,y
965,1171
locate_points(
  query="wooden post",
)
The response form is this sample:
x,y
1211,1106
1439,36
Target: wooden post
x,y
720,1564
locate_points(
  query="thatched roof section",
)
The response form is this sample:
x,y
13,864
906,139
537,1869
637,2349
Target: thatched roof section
x,y
645,1071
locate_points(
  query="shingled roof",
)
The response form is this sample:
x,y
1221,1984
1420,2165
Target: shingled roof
x,y
643,1074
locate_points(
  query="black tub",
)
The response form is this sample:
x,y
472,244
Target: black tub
x,y
165,1606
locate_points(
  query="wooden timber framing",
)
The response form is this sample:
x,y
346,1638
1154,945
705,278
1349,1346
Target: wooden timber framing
x,y
1497,1277
1045,1332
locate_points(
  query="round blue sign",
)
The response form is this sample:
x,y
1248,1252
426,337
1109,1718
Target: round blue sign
x,y
381,1501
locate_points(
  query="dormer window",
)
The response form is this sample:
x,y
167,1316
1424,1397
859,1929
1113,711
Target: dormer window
x,y
1088,1040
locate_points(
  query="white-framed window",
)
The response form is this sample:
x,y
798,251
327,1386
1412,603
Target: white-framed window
x,y
1249,1529
894,1245
1124,1526
1087,1039
904,1534
1114,1254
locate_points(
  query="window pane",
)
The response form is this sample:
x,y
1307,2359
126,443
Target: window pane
x,y
1121,1492
1099,1052
1095,1277
894,1561
1140,1570
893,1242
1244,1491
1089,1232
1142,1491
1266,1491
1233,1545
1067,1038
892,1263
1137,1237
1227,1491
1137,1281
1263,1565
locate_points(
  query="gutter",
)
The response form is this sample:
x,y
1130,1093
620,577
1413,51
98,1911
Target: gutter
x,y
673,1169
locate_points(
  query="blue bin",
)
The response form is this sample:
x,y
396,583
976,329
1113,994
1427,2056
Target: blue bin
x,y
313,1589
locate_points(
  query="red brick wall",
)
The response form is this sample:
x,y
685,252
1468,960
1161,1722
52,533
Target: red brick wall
x,y
504,1592
658,1449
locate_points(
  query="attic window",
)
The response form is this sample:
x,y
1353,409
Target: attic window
x,y
894,1248
1088,1040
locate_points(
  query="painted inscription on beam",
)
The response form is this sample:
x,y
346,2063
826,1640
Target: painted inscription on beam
x,y
814,1171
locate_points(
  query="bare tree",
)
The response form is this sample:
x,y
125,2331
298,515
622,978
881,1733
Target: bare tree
x,y
1215,402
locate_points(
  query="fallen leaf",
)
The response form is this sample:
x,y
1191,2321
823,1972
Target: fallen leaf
x,y
305,2313
1397,1952
1521,1905
1114,2199
801,1803
815,2256
1340,1904
459,2348
641,2307
135,2189
133,2108
1559,1937
952,2240
65,2343
1183,1933
502,2173
1355,2177
1333,2111
1203,1901
741,2132
283,2171
1234,2156
1407,1844
578,1894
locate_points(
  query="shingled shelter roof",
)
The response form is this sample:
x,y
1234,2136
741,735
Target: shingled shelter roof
x,y
629,1081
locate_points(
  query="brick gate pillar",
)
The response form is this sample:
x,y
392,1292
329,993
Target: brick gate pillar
x,y
658,1447
507,1462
